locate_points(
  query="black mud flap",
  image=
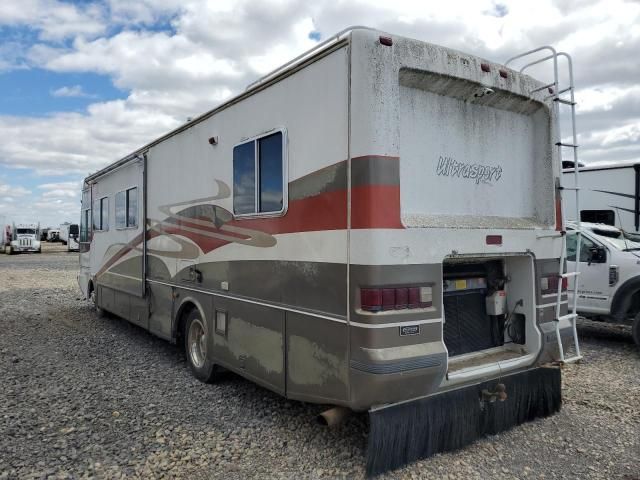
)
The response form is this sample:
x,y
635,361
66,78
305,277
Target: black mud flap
x,y
402,433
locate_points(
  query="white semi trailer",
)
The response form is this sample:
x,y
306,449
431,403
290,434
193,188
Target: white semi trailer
x,y
609,194
69,233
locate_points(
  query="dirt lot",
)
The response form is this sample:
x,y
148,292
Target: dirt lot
x,y
83,396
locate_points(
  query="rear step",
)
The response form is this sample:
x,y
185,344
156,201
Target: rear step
x,y
404,432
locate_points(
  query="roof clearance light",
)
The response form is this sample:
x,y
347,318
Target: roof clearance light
x,y
387,41
503,73
494,239
485,67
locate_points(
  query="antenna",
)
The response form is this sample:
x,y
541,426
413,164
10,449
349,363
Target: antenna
x,y
624,234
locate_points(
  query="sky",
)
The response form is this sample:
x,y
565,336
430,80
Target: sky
x,y
85,82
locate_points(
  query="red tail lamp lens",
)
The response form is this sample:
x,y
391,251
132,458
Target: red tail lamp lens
x,y
371,299
402,298
565,283
387,41
494,239
398,298
388,299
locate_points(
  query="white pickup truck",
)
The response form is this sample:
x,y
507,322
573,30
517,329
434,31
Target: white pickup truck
x,y
609,280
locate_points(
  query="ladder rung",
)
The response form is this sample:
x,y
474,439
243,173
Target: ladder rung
x,y
568,316
543,87
573,359
568,89
560,144
562,100
569,188
570,274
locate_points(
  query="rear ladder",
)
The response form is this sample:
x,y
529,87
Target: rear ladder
x,y
559,97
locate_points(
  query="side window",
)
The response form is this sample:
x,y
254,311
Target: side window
x,y
121,209
585,246
132,207
258,176
85,216
104,213
84,225
607,217
571,245
127,208
101,214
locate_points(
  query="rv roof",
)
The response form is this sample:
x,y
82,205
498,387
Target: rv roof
x,y
332,43
322,48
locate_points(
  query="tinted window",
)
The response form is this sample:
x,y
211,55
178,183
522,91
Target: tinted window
x,y
270,154
607,217
84,225
104,214
244,178
132,207
121,209
96,215
258,183
585,246
73,229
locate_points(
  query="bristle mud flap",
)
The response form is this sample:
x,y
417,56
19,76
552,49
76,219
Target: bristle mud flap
x,y
402,433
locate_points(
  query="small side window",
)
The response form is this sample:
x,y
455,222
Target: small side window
x,y
127,208
258,176
608,217
101,214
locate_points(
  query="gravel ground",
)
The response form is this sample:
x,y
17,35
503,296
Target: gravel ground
x,y
84,397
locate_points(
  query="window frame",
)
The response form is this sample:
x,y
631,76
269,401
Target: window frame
x,y
256,169
99,212
88,228
126,209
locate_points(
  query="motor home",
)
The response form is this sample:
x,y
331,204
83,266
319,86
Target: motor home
x,y
69,233
24,238
609,194
368,227
609,282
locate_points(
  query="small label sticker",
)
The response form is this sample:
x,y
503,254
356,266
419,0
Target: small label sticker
x,y
461,284
409,330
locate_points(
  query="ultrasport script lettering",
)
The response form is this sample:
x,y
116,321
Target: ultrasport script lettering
x,y
448,167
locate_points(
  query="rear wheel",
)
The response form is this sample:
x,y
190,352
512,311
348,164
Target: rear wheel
x,y
196,348
635,329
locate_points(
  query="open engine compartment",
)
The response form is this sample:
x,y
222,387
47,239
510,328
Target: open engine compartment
x,y
489,309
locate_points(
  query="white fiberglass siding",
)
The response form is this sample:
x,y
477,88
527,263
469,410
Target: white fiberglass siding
x,y
466,163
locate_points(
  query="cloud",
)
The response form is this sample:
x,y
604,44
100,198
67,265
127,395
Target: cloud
x,y
178,58
54,20
73,91
13,190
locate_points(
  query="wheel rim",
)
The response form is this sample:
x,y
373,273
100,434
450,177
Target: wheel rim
x,y
197,343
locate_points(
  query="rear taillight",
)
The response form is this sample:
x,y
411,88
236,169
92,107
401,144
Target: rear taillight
x,y
550,284
396,298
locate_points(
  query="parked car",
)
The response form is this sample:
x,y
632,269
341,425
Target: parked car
x,y
609,280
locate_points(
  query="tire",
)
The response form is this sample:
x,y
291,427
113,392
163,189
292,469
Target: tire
x,y
196,348
99,311
10,251
635,329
